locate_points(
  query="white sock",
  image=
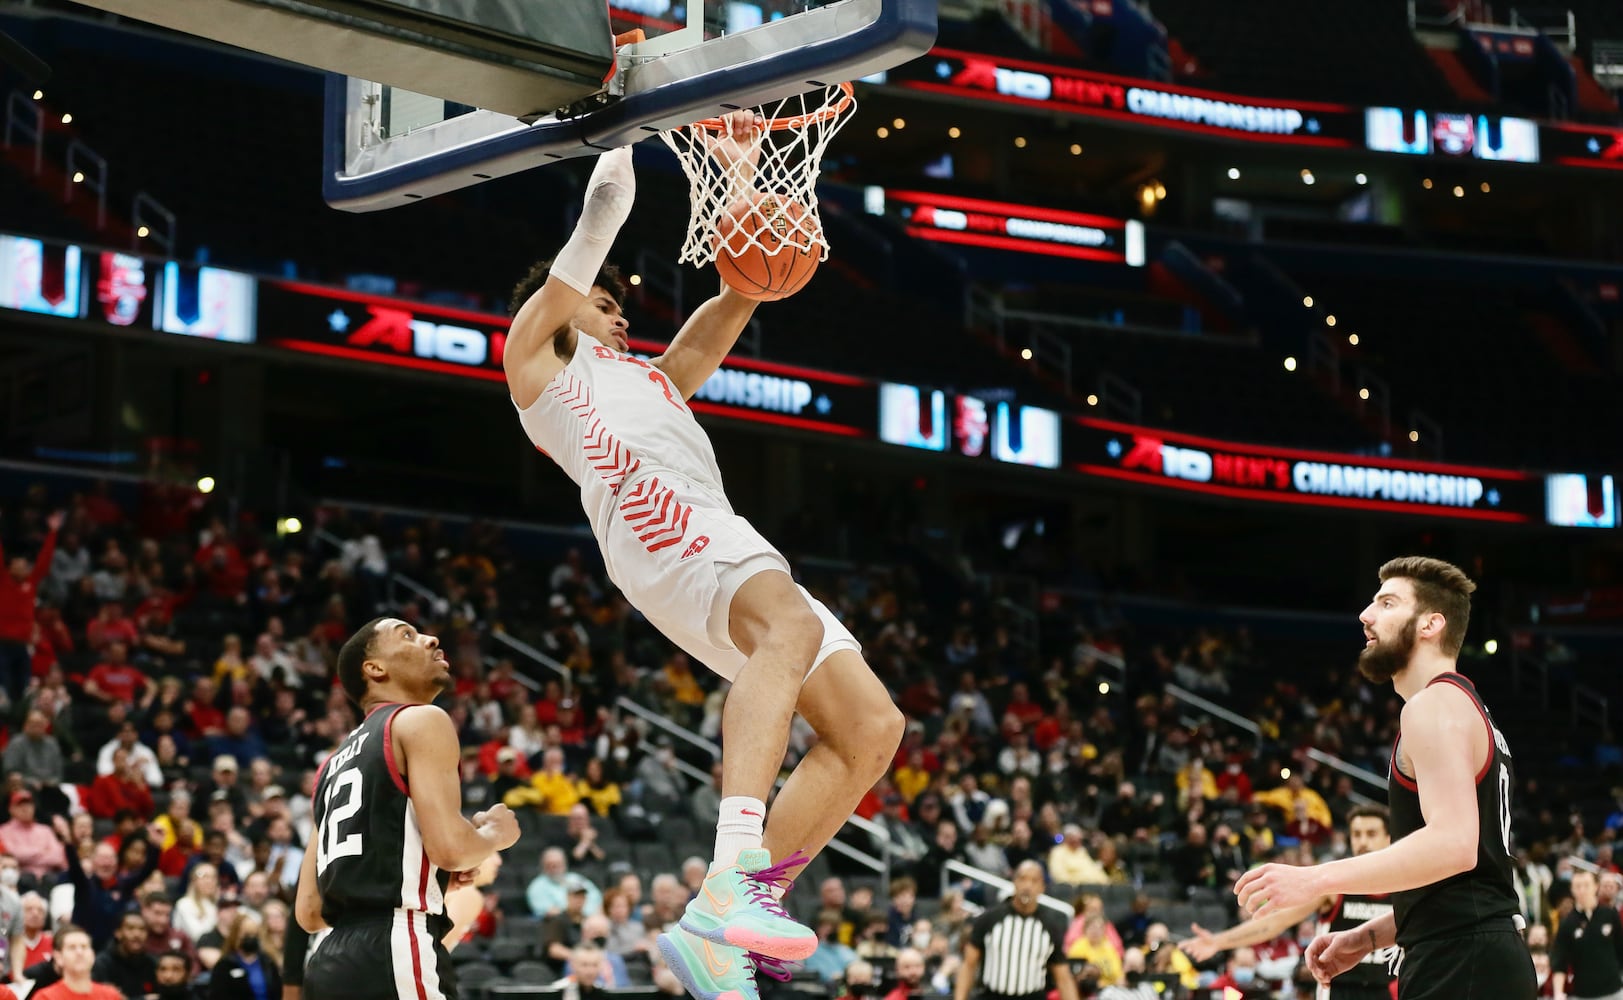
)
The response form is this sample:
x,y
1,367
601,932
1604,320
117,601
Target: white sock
x,y
741,827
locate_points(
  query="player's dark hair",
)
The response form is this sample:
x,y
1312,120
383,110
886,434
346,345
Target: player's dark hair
x,y
608,279
1439,587
351,655
1371,811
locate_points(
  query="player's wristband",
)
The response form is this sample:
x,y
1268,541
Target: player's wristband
x,y
609,195
1372,945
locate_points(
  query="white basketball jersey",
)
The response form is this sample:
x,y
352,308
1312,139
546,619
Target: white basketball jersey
x,y
609,420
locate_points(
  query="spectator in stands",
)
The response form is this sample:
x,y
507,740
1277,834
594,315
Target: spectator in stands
x,y
1285,797
831,957
667,901
904,896
552,789
548,893
285,855
1070,863
662,789
19,588
944,847
39,852
239,741
1018,757
1020,846
243,973
124,789
1192,862
69,565
35,757
1157,940
157,909
968,801
1611,888
11,910
139,754
561,931
909,974
627,934
125,963
115,679
589,973
1089,904
35,943
205,718
1095,949
1241,973
173,980
110,625
596,788
595,934
986,854
211,944
907,848
694,870
75,955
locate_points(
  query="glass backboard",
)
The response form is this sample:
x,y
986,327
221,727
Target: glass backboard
x,y
387,146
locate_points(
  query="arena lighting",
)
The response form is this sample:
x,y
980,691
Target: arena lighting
x,y
1093,400
1363,393
39,95
289,526
1025,353
1486,187
1076,150
142,232
67,119
1284,774
1414,435
1290,364
1352,338
1307,301
1019,142
953,133
1330,320
1308,178
205,485
1459,192
1362,179
882,131
1160,191
899,124
1104,686
1491,646
1234,173
635,279
1426,183
78,176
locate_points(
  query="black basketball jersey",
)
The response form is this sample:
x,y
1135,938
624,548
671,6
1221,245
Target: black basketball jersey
x,y
1463,902
369,849
1379,967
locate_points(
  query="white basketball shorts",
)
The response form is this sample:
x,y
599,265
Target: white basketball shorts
x,y
680,556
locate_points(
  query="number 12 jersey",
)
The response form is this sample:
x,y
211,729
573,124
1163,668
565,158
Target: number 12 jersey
x,y
370,859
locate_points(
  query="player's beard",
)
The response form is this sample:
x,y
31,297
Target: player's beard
x,y
1381,661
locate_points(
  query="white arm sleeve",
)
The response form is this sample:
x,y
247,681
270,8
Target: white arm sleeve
x,y
609,195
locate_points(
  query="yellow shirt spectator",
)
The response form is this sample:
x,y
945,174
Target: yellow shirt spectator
x,y
1093,948
910,782
1285,797
685,689
1071,864
602,799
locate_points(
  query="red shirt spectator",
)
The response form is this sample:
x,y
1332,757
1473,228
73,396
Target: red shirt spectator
x,y
115,679
110,625
1234,775
1045,733
206,719
19,588
124,789
1022,707
488,762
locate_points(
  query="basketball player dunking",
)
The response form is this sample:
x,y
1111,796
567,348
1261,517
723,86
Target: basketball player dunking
x,y
1375,975
621,428
1455,912
389,830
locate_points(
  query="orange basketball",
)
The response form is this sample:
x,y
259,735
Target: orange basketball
x,y
766,254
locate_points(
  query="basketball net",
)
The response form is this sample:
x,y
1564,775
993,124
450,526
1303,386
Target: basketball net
x,y
798,130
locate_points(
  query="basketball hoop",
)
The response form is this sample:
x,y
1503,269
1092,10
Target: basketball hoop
x,y
798,130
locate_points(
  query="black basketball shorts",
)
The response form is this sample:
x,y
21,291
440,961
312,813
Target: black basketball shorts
x,y
1487,965
389,958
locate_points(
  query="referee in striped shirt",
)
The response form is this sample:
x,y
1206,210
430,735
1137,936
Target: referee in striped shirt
x,y
1015,946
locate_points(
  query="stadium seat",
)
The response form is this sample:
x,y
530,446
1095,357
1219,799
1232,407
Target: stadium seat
x,y
533,972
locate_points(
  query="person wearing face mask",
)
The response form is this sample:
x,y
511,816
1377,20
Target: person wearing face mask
x,y
611,968
242,973
1241,975
11,908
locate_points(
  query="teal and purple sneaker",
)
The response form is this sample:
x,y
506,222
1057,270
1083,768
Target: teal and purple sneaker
x,y
735,906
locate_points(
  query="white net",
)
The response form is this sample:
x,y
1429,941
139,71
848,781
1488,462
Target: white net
x,y
724,184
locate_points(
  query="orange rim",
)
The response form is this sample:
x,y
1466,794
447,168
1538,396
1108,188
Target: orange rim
x,y
794,121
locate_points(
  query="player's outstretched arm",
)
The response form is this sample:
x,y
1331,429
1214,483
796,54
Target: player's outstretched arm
x,y
1440,725
709,334
609,194
1205,944
430,756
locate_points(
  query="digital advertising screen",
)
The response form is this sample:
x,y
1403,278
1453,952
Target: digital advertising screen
x,y
1573,500
1452,134
913,417
1026,435
40,277
1513,140
1393,130
206,302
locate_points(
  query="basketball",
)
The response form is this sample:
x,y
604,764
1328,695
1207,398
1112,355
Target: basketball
x,y
767,251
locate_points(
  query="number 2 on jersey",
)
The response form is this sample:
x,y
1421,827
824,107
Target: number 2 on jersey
x,y
1504,804
343,802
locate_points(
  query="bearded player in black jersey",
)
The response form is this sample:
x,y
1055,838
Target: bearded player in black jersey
x,y
1375,976
1455,912
389,833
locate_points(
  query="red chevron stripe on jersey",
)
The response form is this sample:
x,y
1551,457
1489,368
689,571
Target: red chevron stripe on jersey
x,y
649,509
612,460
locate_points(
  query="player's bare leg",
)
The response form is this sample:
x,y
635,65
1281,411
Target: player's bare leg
x,y
858,730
